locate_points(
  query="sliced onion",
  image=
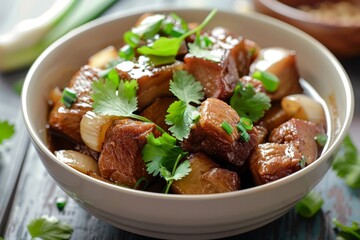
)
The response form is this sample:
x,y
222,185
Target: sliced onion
x,y
79,161
93,129
303,107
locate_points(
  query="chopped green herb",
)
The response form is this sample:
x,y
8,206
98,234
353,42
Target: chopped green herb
x,y
248,103
174,25
68,97
243,133
347,232
346,163
203,41
302,162
162,156
142,181
49,228
61,203
113,76
246,123
18,85
126,52
181,114
226,126
321,139
170,46
149,26
7,130
131,39
270,81
309,205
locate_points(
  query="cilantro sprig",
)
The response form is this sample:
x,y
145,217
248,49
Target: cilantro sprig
x,y
181,114
248,103
49,228
347,232
346,163
120,100
162,156
166,47
7,130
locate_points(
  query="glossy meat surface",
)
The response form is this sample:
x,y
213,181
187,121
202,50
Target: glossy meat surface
x,y
66,121
302,134
206,177
272,161
121,160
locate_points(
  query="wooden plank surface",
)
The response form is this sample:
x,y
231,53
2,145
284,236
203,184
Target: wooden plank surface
x,y
36,193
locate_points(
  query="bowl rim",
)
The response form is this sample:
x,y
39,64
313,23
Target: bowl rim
x,y
298,15
197,197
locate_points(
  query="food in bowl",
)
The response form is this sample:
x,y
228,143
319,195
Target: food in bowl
x,y
178,108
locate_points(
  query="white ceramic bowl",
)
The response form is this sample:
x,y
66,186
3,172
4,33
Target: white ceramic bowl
x,y
175,216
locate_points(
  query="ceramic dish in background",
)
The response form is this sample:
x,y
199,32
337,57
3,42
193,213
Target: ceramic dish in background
x,y
342,39
187,216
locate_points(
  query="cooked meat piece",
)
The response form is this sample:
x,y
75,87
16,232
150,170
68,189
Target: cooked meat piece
x,y
209,137
217,78
302,134
102,58
272,161
157,111
153,81
121,160
206,177
262,133
220,78
282,63
243,50
65,120
274,117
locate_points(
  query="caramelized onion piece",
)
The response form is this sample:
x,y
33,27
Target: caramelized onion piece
x,y
79,161
303,107
93,129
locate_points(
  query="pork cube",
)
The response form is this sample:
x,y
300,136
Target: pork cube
x,y
66,121
209,137
302,134
153,81
206,177
272,161
120,159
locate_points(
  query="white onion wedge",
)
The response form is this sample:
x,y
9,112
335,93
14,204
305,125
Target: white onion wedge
x,y
79,161
93,129
304,107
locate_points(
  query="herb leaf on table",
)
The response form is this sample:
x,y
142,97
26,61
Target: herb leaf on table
x,y
347,232
7,130
49,228
346,163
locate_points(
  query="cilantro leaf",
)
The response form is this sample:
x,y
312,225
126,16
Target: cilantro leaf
x,y
7,130
214,55
170,46
248,103
162,156
186,88
49,228
149,27
346,163
347,232
181,114
109,100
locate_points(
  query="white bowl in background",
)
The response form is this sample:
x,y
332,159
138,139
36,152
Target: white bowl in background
x,y
186,216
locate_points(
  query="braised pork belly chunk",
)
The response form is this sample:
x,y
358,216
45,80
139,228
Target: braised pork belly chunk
x,y
120,159
66,121
209,137
206,177
272,161
176,107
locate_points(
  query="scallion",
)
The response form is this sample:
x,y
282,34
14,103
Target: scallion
x,y
309,205
226,126
61,203
269,80
302,162
131,39
68,97
321,139
127,52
